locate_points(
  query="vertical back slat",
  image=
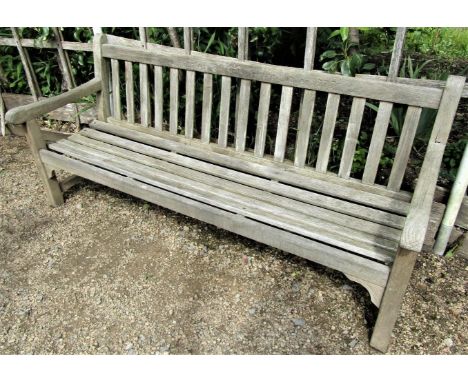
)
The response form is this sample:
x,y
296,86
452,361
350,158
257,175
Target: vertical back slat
x,y
173,100
188,40
311,43
27,66
242,115
283,123
158,98
116,88
404,147
224,111
377,142
326,139
352,135
189,103
262,119
101,70
397,54
306,113
206,107
145,106
129,92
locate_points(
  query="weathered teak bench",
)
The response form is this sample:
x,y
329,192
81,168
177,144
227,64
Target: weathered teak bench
x,y
370,232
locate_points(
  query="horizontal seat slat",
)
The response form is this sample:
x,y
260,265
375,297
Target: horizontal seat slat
x,y
228,184
347,238
309,197
287,76
310,249
345,189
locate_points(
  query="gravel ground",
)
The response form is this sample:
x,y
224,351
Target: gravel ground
x,y
107,273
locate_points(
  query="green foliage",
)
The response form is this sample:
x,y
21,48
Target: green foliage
x,y
342,56
440,42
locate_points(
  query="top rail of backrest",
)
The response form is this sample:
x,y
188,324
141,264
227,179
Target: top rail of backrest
x,y
414,95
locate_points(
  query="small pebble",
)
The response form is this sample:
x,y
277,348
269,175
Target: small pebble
x,y
298,321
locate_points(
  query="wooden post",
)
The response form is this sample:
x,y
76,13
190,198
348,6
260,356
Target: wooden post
x,y
242,54
101,71
188,40
453,205
66,69
397,54
28,68
37,143
2,116
145,105
392,298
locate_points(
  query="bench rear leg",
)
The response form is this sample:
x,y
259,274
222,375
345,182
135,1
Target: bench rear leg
x,y
36,143
392,298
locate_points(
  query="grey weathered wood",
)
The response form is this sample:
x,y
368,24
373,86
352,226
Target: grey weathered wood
x,y
283,123
258,209
173,101
311,43
116,89
189,103
69,182
188,40
37,143
224,105
129,92
174,37
326,139
145,100
310,249
405,144
66,69
262,119
243,43
295,77
243,115
28,112
158,98
375,291
306,113
418,216
206,108
393,296
397,54
101,71
377,142
302,177
27,66
222,171
352,136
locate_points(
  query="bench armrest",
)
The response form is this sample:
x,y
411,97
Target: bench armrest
x,y
417,221
21,114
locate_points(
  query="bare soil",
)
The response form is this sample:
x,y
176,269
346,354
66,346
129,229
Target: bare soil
x,y
107,273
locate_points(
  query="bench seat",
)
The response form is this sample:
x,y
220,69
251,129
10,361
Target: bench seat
x,y
339,230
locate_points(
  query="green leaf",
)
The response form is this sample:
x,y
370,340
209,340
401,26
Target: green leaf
x,y
334,33
344,33
345,68
210,41
327,54
330,66
368,66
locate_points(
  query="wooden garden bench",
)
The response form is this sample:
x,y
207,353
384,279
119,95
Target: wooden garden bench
x,y
370,232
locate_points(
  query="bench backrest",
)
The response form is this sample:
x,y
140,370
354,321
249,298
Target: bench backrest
x,y
238,79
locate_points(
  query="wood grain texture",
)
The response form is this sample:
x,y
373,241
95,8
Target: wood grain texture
x,y
397,54
129,92
310,46
189,104
173,101
116,89
377,142
224,105
352,136
207,108
393,296
262,119
405,144
101,71
306,112
243,115
283,123
158,98
326,139
286,76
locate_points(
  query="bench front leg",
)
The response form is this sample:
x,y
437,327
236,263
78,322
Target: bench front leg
x,y
393,297
36,143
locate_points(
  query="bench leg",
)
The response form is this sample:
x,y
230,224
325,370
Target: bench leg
x,y
392,298
36,143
